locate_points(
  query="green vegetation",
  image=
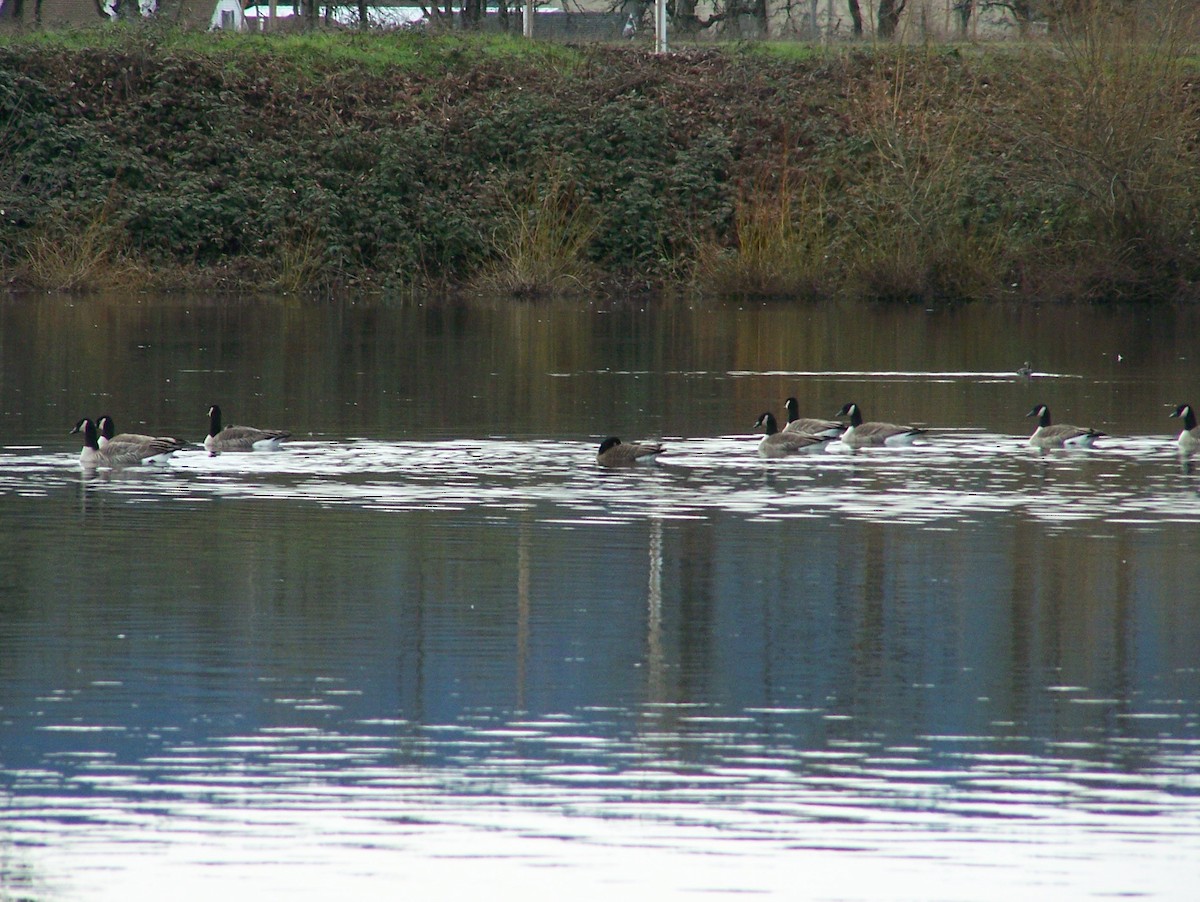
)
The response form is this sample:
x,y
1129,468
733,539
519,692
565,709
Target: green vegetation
x,y
305,163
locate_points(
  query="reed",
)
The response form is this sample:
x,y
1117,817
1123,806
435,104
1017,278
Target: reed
x,y
540,247
925,211
67,254
1114,150
300,263
781,246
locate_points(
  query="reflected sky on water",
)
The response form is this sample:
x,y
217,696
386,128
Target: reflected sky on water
x,y
432,645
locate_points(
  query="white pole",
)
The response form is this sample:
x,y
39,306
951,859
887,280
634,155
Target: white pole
x,y
528,23
660,26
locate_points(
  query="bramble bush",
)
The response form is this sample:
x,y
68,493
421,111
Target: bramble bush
x,y
318,162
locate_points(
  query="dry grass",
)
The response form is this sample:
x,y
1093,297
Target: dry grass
x,y
914,235
92,255
1115,140
541,250
299,262
782,247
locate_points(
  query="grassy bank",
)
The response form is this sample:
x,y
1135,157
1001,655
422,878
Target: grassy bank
x,y
142,159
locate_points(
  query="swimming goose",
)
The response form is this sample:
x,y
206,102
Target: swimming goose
x,y
1189,438
613,453
106,427
240,438
119,454
781,444
1025,370
1062,436
863,435
797,423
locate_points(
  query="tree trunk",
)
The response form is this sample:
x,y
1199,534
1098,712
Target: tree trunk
x,y
472,14
762,14
857,18
1023,12
965,9
889,17
682,16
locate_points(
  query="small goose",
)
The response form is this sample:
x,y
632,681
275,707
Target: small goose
x,y
614,453
106,427
782,444
1062,436
797,423
120,454
240,438
1189,438
864,435
1025,370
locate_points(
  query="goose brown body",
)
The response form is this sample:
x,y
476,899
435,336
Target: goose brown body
x,y
615,453
862,434
107,431
119,454
783,444
809,425
1049,435
233,439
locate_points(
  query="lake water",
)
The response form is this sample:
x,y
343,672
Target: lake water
x,y
431,649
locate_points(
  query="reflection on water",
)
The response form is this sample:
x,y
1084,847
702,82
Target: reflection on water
x,y
432,642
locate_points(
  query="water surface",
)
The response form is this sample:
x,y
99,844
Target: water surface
x,y
432,646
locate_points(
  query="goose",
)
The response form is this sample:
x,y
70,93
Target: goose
x,y
797,423
614,453
1189,438
781,444
1061,436
120,454
1025,370
863,435
240,438
106,427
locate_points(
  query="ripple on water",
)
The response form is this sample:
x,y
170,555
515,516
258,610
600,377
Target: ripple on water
x,y
950,477
728,786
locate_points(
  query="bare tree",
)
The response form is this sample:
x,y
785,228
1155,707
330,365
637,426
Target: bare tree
x,y
888,20
856,18
472,13
964,10
1024,12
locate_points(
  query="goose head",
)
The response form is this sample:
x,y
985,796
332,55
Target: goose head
x,y
767,423
88,428
1042,412
851,410
1185,413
